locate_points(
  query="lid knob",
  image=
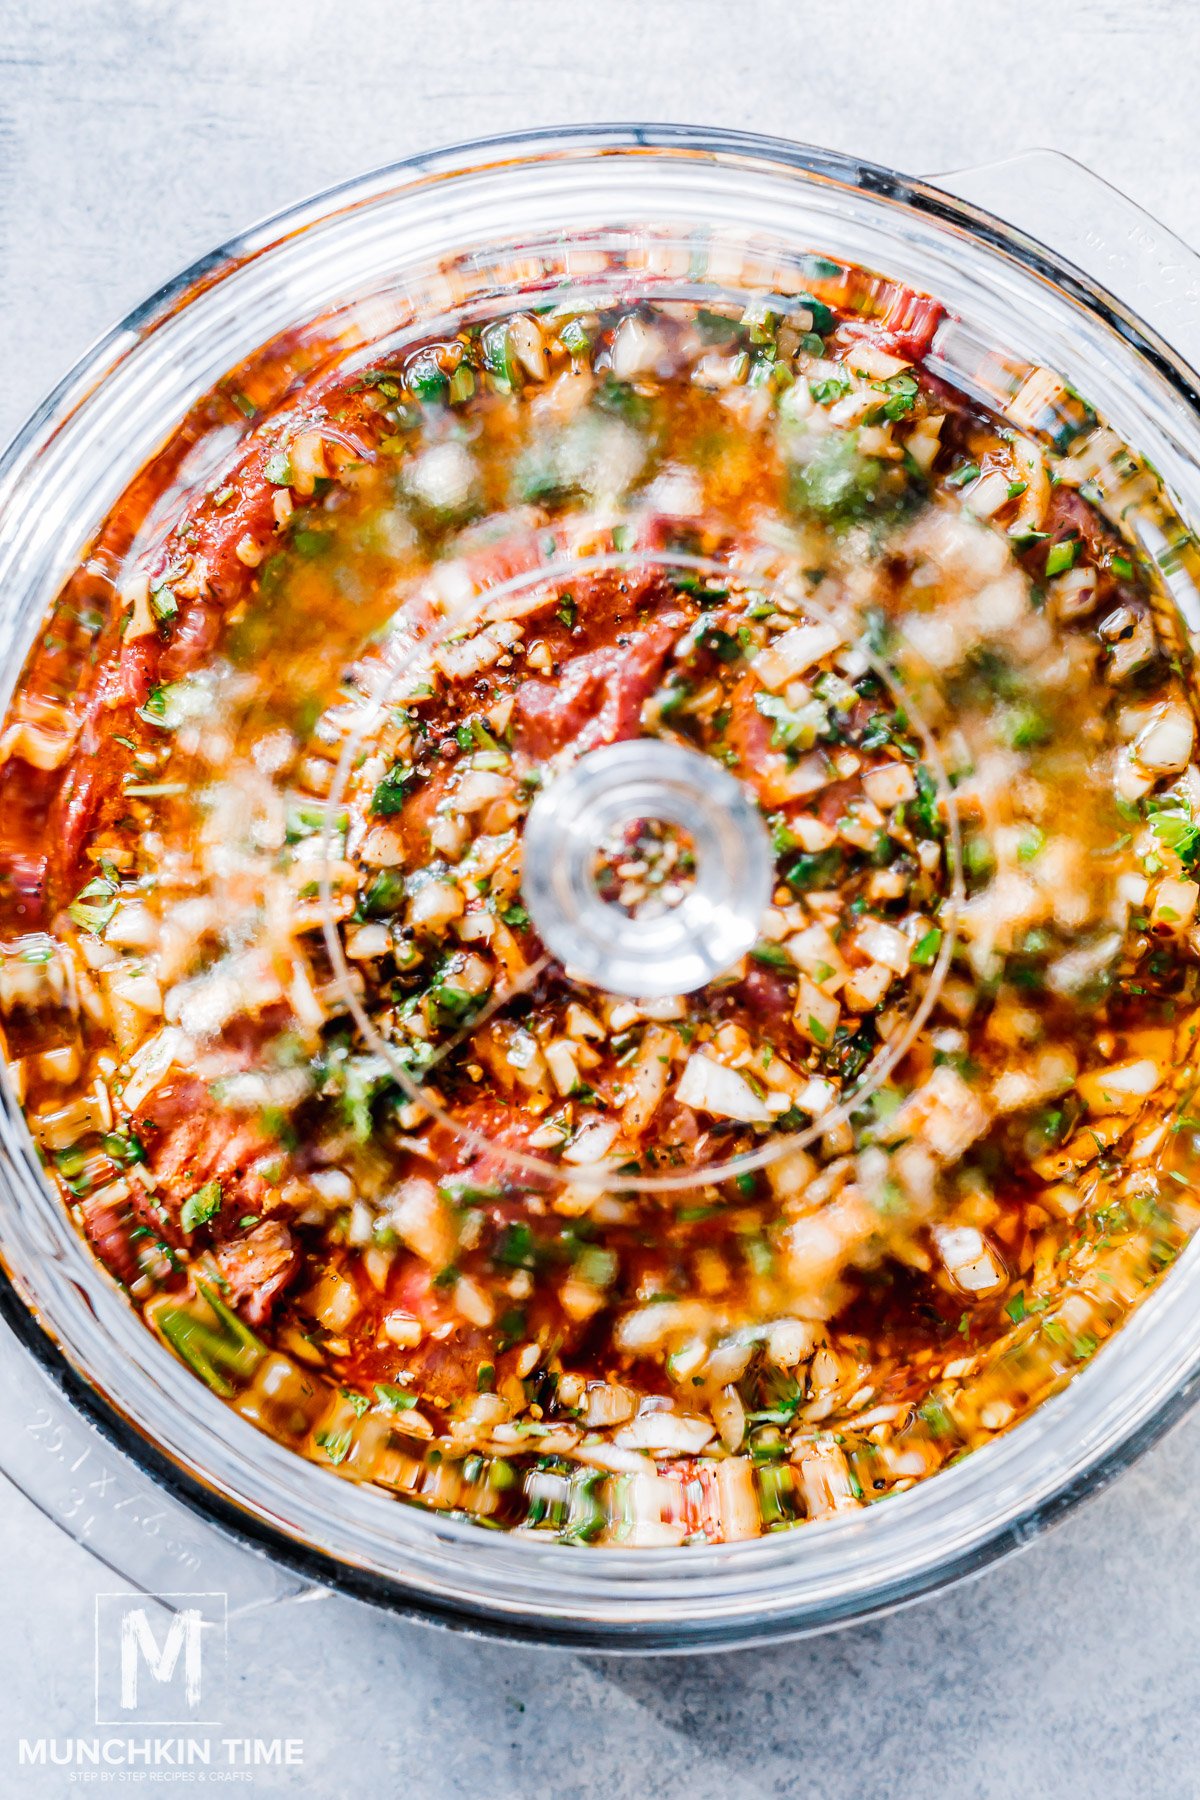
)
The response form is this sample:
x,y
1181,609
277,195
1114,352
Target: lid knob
x,y
718,917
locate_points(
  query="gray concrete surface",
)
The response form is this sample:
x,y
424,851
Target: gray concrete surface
x,y
134,135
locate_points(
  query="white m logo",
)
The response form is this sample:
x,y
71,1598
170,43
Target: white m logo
x,y
160,1660
138,1643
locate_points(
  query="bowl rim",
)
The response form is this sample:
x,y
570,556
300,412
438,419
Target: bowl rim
x,y
239,1521
468,155
321,1569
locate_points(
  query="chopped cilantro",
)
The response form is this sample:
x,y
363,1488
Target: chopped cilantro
x,y
1026,728
575,338
124,1148
596,1267
926,803
822,315
821,869
390,794
278,469
774,955
163,603
394,1399
830,389
94,905
384,894
901,391
1061,556
1172,825
722,644
836,482
791,729
336,1444
517,1248
201,1207
927,947
670,698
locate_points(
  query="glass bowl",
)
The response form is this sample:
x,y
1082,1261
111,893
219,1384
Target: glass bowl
x,y
627,211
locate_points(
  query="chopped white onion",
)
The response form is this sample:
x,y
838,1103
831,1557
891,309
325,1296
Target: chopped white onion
x,y
1164,747
1121,1087
682,1433
794,652
968,1258
592,1142
712,1088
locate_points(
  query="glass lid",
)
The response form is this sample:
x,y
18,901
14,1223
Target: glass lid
x,y
599,932
657,880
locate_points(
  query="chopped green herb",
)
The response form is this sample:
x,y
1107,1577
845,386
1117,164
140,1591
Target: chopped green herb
x,y
927,947
722,644
901,391
94,905
822,315
163,603
774,955
575,338
1061,556
829,389
595,1267
335,1444
1173,826
392,791
792,730
1025,727
517,1248
462,384
201,1207
925,805
821,869
394,1399
124,1148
